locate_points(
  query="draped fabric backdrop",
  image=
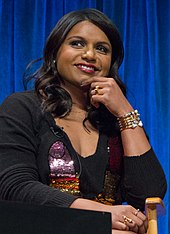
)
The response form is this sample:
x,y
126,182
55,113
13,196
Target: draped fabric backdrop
x,y
145,29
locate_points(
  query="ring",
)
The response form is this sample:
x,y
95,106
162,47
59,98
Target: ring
x,y
136,212
127,220
97,89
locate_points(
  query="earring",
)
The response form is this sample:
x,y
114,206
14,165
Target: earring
x,y
53,67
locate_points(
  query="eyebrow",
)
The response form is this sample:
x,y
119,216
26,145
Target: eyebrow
x,y
82,38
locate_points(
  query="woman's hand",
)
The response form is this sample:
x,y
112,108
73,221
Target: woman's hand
x,y
133,220
106,91
124,217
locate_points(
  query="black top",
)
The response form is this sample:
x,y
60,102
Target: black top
x,y
26,135
93,169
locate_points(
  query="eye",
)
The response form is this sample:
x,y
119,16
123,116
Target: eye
x,y
77,43
102,49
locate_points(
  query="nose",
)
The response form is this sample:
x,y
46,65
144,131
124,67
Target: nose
x,y
89,54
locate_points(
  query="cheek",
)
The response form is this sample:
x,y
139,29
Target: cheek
x,y
59,66
62,69
61,63
106,65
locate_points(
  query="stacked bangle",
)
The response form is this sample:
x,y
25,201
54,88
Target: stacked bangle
x,y
130,120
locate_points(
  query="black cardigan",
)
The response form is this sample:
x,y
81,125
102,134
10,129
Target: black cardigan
x,y
26,135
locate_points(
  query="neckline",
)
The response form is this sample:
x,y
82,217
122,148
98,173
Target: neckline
x,y
63,133
70,143
91,155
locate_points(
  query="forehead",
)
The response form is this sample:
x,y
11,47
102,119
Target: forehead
x,y
88,30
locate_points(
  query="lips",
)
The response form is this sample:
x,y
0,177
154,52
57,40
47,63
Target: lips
x,y
87,67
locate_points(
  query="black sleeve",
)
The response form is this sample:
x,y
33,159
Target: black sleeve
x,y
20,117
143,177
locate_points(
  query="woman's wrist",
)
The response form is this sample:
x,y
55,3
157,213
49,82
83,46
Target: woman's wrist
x,y
85,204
130,120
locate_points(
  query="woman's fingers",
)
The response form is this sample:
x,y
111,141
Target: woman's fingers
x,y
128,218
109,94
119,225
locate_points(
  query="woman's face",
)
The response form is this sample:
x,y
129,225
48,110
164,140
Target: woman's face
x,y
86,52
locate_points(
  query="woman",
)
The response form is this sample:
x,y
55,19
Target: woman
x,y
76,141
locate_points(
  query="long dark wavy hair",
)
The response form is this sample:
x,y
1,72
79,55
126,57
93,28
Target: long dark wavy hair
x,y
55,99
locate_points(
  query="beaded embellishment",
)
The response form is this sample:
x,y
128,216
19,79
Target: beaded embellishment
x,y
62,170
110,194
107,197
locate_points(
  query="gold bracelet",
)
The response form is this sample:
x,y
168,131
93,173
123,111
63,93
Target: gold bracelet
x,y
130,120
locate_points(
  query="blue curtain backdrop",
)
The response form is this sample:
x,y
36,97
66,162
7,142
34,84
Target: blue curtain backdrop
x,y
145,29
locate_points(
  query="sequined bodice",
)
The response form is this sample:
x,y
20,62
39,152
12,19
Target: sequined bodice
x,y
61,163
62,169
93,182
